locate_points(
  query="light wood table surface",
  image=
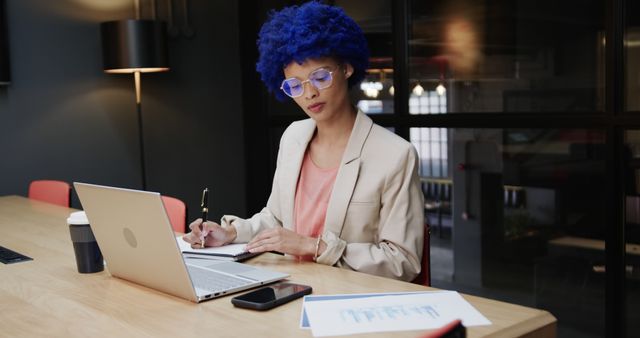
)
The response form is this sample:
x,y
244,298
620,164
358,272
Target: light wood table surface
x,y
47,297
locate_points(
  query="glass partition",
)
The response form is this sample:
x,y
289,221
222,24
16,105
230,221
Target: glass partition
x,y
508,56
375,94
632,55
518,215
632,231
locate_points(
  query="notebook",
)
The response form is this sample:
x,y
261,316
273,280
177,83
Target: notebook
x,y
229,252
136,239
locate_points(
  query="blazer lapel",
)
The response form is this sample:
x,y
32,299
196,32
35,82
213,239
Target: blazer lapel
x,y
347,175
294,154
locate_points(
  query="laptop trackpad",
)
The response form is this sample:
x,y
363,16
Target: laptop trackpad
x,y
243,270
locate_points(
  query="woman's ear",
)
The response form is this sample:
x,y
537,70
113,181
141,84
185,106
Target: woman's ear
x,y
348,70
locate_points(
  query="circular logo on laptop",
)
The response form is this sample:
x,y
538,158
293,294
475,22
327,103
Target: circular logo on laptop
x,y
130,237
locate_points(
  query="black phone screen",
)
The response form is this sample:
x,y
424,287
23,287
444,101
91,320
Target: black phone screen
x,y
273,292
271,296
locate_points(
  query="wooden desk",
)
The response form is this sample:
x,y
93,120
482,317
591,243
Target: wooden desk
x,y
48,297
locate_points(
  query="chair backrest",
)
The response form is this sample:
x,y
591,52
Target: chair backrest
x,y
50,191
177,212
424,278
454,329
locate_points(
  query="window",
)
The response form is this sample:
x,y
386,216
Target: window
x,y
509,56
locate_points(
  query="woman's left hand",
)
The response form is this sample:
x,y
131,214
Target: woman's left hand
x,y
282,240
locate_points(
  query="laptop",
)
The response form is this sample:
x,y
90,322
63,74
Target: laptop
x,y
138,243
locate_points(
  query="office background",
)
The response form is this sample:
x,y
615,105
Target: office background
x,y
64,118
529,152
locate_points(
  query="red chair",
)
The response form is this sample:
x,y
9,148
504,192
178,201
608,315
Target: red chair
x,y
424,278
55,192
455,329
177,212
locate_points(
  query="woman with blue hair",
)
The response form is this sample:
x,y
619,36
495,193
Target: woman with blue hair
x,y
346,191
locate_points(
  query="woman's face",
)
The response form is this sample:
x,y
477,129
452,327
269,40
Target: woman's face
x,y
322,104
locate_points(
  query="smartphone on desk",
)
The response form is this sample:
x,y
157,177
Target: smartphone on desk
x,y
271,296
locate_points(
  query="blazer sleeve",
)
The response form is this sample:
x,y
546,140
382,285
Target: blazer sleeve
x,y
400,234
268,217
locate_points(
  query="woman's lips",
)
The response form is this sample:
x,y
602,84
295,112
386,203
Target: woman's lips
x,y
316,107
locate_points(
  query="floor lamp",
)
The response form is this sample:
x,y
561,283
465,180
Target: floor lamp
x,y
135,46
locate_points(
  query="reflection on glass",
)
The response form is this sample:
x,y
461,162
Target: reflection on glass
x,y
427,103
517,215
632,51
375,94
509,56
632,231
633,68
432,146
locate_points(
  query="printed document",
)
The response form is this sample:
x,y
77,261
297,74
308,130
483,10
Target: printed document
x,y
401,312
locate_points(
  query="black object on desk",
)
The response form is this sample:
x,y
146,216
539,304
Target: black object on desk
x,y
271,296
9,256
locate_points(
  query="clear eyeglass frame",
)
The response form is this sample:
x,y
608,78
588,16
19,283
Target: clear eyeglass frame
x,y
319,82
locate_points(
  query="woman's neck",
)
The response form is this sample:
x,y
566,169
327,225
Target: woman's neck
x,y
336,131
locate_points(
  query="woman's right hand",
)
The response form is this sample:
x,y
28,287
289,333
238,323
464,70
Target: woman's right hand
x,y
213,233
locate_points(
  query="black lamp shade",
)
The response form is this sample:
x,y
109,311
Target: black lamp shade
x,y
134,46
5,76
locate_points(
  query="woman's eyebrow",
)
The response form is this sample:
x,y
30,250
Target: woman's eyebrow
x,y
321,67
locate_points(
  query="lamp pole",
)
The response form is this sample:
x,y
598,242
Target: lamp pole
x,y
136,77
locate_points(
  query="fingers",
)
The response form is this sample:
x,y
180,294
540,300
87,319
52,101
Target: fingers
x,y
281,240
264,234
188,238
211,233
192,239
193,236
266,240
260,242
195,227
206,228
198,234
261,246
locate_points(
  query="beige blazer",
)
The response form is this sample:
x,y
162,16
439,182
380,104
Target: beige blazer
x,y
375,217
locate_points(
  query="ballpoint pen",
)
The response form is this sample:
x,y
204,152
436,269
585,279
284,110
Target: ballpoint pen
x,y
204,204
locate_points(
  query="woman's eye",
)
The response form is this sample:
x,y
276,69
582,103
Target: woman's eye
x,y
321,77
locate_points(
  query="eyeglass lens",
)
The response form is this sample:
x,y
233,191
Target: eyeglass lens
x,y
320,79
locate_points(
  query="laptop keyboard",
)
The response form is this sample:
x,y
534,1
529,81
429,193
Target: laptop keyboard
x,y
214,281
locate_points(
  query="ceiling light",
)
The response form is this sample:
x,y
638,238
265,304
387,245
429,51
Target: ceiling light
x,y
418,90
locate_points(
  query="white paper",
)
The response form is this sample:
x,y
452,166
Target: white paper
x,y
304,321
390,313
225,250
188,256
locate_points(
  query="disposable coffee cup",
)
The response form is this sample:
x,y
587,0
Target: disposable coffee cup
x,y
88,255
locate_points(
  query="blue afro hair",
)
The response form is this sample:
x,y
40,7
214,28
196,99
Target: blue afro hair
x,y
312,30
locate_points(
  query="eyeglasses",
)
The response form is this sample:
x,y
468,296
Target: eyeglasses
x,y
319,78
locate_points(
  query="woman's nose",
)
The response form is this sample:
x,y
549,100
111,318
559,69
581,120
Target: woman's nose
x,y
310,91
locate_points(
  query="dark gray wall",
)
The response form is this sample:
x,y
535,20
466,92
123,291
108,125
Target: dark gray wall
x,y
63,118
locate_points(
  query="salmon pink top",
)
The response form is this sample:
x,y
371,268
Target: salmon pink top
x,y
312,197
